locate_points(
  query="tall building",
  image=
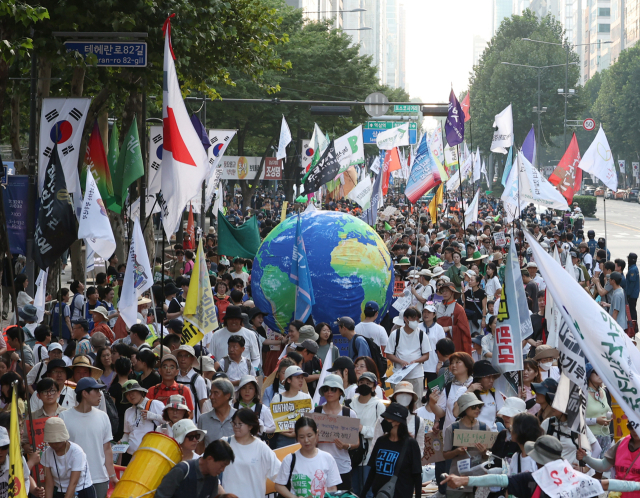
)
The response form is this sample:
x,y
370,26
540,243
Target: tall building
x,y
617,29
631,23
373,42
352,21
479,44
402,46
501,10
391,78
597,29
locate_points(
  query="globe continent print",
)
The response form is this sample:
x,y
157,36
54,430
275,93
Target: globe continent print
x,y
348,261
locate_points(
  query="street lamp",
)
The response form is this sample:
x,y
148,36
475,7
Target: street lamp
x,y
535,109
567,48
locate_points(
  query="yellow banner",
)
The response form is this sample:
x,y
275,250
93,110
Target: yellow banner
x,y
191,335
283,215
199,308
286,413
16,472
435,202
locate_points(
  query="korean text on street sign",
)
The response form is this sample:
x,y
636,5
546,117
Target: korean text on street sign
x,y
406,108
387,125
112,54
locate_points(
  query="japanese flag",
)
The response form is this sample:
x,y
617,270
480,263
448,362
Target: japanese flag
x,y
62,123
184,160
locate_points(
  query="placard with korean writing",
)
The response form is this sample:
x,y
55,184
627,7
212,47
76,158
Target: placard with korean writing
x,y
558,479
463,437
286,413
500,239
331,427
433,445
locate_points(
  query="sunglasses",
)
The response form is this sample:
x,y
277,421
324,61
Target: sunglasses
x,y
332,389
4,448
192,437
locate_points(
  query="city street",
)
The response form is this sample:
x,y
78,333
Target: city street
x,y
623,226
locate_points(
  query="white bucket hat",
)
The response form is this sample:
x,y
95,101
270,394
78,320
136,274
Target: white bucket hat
x,y
184,427
513,406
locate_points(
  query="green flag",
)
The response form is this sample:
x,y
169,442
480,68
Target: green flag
x,y
387,227
242,241
113,153
130,166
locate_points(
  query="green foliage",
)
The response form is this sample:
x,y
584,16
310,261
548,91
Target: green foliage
x,y
16,21
494,86
588,204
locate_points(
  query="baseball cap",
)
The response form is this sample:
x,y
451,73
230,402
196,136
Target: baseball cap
x,y
371,306
53,346
347,322
294,371
88,383
341,363
309,345
370,376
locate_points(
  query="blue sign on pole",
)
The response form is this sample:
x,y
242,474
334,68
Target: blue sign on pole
x,y
369,136
15,208
110,53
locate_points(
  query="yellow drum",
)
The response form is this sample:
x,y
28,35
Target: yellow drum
x,y
154,458
281,453
619,421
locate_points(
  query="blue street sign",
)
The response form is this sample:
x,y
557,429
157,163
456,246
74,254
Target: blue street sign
x,y
110,53
369,136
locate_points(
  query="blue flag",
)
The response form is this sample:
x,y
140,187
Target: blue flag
x,y
529,146
301,276
454,126
201,131
507,167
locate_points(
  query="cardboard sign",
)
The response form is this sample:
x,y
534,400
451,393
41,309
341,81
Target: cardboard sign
x,y
286,413
402,373
332,427
433,445
462,437
398,288
500,239
37,442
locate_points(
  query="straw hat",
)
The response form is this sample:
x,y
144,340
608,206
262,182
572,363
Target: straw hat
x,y
55,431
83,361
545,351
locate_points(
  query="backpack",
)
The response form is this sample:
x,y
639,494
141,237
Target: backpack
x,y
358,454
112,412
227,364
293,464
192,386
420,337
376,354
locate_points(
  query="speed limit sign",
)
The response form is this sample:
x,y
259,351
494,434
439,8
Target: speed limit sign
x,y
589,124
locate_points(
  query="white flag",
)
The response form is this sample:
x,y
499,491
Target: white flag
x,y
90,258
184,160
94,224
394,137
220,140
454,181
349,149
436,145
483,170
217,207
328,361
536,188
137,277
467,166
41,293
571,270
477,167
503,137
471,213
62,121
598,160
375,165
606,346
361,193
285,139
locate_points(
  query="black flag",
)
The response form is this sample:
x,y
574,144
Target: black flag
x,y
323,172
57,227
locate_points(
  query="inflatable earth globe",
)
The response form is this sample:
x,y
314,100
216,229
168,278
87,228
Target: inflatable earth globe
x,y
348,261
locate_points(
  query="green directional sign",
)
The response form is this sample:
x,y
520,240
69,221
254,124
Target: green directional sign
x,y
406,108
387,125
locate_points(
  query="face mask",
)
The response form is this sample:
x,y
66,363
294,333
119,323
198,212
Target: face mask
x,y
413,325
545,366
386,426
404,399
364,390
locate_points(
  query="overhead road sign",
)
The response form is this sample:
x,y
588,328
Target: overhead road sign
x,y
111,53
373,128
406,108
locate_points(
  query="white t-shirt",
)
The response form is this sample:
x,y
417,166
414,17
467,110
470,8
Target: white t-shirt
x,y
245,278
310,476
373,331
4,477
436,332
246,475
36,374
280,397
200,386
40,353
409,349
340,456
67,395
219,348
527,464
446,402
136,426
74,460
492,285
236,370
90,431
490,409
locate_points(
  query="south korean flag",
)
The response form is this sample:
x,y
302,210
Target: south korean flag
x,y
154,178
62,123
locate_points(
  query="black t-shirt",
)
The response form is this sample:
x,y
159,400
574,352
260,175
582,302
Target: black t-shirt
x,y
473,302
383,460
539,329
111,270
151,380
311,367
174,306
523,485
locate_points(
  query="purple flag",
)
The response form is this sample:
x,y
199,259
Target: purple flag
x,y
200,130
454,126
529,146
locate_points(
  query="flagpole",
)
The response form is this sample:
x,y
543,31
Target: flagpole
x,y
604,202
156,309
150,214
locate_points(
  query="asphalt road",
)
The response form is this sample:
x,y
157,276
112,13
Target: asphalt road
x,y
623,226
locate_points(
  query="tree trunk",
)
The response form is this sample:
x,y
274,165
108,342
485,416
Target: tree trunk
x,y
44,86
14,133
4,81
119,233
75,251
249,189
52,278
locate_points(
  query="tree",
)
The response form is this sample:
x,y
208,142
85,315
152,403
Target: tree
x,y
493,86
324,66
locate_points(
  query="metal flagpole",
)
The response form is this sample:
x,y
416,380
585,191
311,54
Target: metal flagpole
x,y
460,188
604,202
156,310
